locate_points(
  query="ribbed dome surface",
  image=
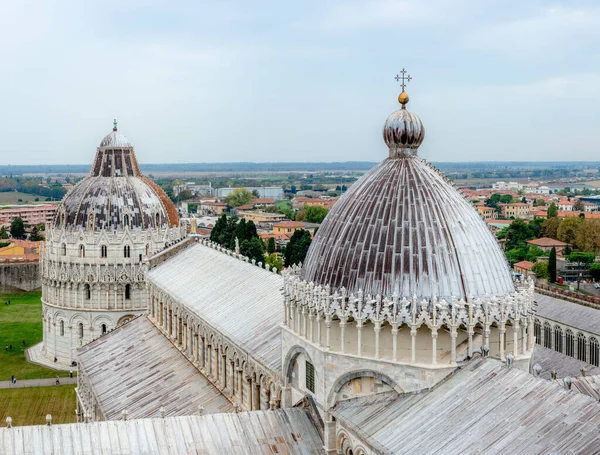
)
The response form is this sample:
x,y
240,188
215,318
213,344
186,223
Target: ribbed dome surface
x,y
402,228
115,139
116,194
403,129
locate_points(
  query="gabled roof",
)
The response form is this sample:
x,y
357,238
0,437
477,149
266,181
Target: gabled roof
x,y
547,242
137,369
283,431
240,300
524,265
568,313
485,407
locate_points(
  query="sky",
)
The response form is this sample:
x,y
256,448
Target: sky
x,y
222,81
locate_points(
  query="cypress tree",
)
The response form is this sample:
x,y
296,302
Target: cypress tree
x,y
552,265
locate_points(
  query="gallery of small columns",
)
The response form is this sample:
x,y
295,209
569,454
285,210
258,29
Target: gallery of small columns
x,y
243,380
400,331
567,340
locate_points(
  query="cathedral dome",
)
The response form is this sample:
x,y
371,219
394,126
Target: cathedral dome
x,y
404,229
116,195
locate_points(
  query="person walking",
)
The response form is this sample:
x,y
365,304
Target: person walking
x,y
70,373
57,380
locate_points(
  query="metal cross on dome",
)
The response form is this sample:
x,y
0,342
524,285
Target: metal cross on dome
x,y
405,78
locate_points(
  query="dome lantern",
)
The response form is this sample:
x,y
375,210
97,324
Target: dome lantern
x,y
403,131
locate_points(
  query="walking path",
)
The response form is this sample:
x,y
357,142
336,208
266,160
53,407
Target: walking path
x,y
34,355
36,383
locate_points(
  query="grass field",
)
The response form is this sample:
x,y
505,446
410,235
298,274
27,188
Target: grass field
x,y
12,197
21,320
29,406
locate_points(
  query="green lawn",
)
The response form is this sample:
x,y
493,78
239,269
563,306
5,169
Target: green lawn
x,y
29,406
12,197
21,320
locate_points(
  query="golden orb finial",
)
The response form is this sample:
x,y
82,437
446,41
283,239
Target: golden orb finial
x,y
403,99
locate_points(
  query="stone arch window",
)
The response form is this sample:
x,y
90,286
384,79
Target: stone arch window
x,y
157,218
80,330
127,292
103,329
537,331
558,339
103,251
81,251
310,376
581,347
62,328
63,248
88,291
569,343
147,249
547,335
594,351
127,251
125,220
90,222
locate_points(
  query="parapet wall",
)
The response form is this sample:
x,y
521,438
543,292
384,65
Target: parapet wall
x,y
20,277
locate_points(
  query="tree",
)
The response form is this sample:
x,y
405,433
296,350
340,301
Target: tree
x,y
578,205
552,211
587,237
254,249
35,235
255,193
239,196
568,229
550,227
581,259
541,270
297,247
517,234
594,270
552,265
239,233
3,233
274,261
271,245
17,228
251,230
315,214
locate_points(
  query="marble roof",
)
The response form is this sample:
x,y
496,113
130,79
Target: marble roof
x,y
135,368
484,408
242,301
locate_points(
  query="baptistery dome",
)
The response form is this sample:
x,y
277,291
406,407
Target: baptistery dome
x,y
115,194
404,229
97,250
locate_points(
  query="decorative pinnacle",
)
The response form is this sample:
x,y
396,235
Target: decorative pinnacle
x,y
115,125
405,78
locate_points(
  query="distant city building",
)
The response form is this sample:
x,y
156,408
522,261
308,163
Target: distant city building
x,y
30,214
195,189
258,216
274,192
515,210
515,186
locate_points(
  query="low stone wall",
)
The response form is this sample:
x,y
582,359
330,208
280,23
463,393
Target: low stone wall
x,y
20,277
170,251
575,297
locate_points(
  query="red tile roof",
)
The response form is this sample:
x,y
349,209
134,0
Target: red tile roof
x,y
524,265
547,242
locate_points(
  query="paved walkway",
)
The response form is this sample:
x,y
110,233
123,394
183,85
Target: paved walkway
x,y
36,383
34,355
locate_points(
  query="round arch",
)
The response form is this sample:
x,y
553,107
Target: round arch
x,y
339,383
290,358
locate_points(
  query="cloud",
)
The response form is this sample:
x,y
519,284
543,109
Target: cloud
x,y
551,29
364,14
